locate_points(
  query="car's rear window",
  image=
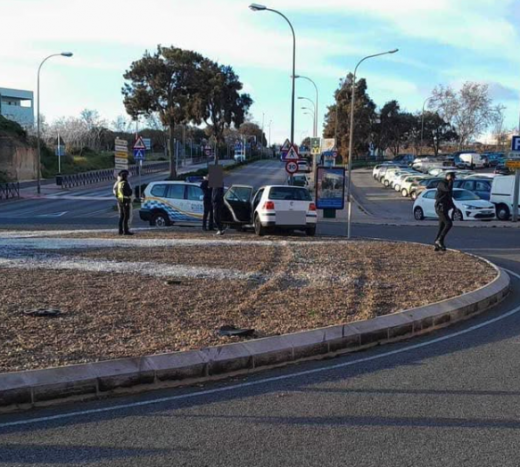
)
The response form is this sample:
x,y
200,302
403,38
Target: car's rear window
x,y
289,194
158,190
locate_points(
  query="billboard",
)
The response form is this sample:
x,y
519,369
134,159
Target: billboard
x,y
330,188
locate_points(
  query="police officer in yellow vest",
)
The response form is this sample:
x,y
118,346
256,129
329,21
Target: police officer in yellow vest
x,y
124,202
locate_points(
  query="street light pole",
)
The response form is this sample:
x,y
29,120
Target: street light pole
x,y
38,124
315,114
422,122
258,7
317,100
351,139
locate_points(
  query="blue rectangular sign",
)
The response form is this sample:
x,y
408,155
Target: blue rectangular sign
x,y
139,154
515,143
330,188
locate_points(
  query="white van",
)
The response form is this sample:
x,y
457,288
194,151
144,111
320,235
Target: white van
x,y
502,192
473,160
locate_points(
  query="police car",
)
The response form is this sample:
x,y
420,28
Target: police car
x,y
166,203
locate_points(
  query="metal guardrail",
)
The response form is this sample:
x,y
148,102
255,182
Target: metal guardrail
x,y
97,176
9,190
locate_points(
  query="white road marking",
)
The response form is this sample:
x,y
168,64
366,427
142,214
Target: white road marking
x,y
273,379
54,214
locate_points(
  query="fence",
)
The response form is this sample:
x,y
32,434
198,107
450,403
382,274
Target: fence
x,y
97,176
9,190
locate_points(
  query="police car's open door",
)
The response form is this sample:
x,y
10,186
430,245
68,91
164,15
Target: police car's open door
x,y
237,202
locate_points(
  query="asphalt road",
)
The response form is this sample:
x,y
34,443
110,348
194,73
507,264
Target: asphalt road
x,y
93,206
448,399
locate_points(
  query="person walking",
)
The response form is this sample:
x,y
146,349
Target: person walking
x,y
443,205
208,205
124,202
217,198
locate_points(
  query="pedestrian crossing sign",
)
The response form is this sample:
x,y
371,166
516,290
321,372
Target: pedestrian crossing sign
x,y
139,144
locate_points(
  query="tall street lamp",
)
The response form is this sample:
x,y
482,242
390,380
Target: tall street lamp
x,y
351,140
38,166
317,101
257,7
314,111
422,122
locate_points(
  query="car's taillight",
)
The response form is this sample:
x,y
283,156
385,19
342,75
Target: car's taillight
x,y
269,206
312,207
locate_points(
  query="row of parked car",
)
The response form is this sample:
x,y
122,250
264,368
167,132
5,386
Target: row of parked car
x,y
482,196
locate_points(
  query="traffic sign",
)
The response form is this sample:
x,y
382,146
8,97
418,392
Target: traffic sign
x,y
315,146
292,155
139,154
291,167
515,143
207,151
286,146
139,144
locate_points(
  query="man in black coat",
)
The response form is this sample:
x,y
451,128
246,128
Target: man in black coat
x,y
443,205
208,205
218,206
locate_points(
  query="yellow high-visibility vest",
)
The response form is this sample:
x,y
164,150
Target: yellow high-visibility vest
x,y
120,195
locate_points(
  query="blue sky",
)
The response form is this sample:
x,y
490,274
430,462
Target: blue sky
x,y
440,42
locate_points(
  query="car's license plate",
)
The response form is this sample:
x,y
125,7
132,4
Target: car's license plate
x,y
291,217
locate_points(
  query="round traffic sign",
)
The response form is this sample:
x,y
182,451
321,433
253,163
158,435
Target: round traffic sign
x,y
291,167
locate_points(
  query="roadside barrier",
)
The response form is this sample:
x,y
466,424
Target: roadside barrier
x,y
9,190
97,176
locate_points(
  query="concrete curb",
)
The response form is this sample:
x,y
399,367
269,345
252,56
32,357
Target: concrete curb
x,y
36,388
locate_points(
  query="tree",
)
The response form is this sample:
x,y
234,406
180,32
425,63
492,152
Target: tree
x,y
499,132
168,82
437,131
470,111
364,117
223,103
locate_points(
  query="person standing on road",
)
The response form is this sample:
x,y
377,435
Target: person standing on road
x,y
124,203
208,205
443,205
217,198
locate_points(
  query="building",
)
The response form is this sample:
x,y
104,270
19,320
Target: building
x,y
17,105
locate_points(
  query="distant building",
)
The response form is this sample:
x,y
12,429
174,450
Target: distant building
x,y
17,105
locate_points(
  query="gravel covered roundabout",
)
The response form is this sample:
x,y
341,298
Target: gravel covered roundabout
x,y
164,291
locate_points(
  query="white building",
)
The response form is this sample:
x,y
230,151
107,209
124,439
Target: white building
x,y
17,105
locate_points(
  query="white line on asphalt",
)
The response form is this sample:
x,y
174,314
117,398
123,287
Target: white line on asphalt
x,y
273,379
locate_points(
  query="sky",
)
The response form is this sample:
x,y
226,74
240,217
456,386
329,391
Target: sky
x,y
440,42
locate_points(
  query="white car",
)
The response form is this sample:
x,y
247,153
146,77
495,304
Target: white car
x,y
303,166
400,177
392,175
407,183
502,195
166,203
468,206
273,206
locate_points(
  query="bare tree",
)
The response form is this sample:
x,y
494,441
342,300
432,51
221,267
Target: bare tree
x,y
470,111
499,132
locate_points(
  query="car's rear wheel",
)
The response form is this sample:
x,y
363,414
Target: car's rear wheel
x,y
259,228
160,219
503,212
418,214
310,231
386,183
404,192
458,216
414,195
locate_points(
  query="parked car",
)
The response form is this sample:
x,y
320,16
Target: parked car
x,y
503,169
423,185
298,179
273,206
469,159
399,177
480,186
502,193
166,203
303,166
408,182
468,206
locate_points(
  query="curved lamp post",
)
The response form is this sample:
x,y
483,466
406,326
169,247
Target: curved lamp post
x,y
258,7
38,168
317,101
351,139
422,122
314,111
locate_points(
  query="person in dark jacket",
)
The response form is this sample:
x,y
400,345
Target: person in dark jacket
x,y
217,198
208,205
124,202
443,205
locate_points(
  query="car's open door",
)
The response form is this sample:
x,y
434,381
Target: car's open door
x,y
237,202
